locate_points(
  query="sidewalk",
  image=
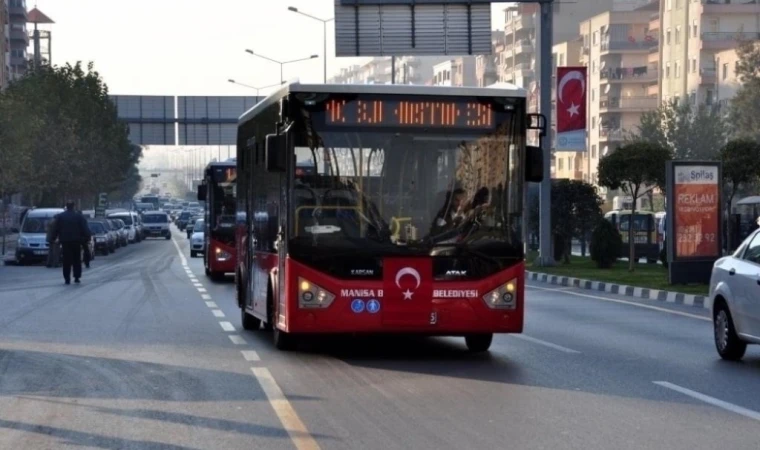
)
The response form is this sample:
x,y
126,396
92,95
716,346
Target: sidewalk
x,y
10,245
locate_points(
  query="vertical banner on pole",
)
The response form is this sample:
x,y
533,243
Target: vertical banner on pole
x,y
571,109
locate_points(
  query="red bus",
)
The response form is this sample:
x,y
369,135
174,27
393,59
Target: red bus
x,y
218,190
384,209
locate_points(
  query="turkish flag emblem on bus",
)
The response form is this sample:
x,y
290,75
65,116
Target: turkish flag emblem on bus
x,y
407,291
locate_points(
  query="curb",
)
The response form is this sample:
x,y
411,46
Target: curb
x,y
696,301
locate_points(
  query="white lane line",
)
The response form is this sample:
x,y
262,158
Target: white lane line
x,y
179,252
194,280
198,284
284,410
544,343
624,302
227,326
217,313
711,400
237,340
211,304
200,289
205,297
250,355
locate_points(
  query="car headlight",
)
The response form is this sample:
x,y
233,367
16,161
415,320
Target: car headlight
x,y
312,296
221,255
503,297
23,242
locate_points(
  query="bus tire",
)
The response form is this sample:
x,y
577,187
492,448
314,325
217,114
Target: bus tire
x,y
283,341
269,324
478,343
250,322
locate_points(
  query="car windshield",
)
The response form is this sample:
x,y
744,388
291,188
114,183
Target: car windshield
x,y
185,215
155,218
198,227
36,224
396,193
96,228
126,219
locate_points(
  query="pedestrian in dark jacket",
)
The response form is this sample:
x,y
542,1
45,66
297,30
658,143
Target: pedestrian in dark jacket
x,y
71,230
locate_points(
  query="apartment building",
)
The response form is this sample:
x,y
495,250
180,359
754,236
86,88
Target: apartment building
x,y
619,49
569,165
487,66
694,33
5,49
18,37
376,71
416,69
726,80
455,72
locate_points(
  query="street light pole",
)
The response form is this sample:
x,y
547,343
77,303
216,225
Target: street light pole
x,y
258,89
324,23
281,63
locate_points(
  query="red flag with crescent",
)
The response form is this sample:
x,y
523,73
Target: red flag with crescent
x,y
571,99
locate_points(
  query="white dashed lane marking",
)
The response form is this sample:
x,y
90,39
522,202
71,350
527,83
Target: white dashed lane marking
x,y
250,355
211,304
200,289
206,297
748,413
544,343
217,313
237,340
197,285
284,410
226,326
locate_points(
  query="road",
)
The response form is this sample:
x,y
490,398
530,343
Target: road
x,y
141,356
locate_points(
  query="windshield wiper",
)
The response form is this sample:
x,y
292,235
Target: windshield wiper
x,y
464,248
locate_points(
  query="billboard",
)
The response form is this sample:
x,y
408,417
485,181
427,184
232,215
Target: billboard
x,y
571,109
412,27
694,222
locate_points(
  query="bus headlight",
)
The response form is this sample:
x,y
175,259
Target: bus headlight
x,y
221,255
312,296
503,297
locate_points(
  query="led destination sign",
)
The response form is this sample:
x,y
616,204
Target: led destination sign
x,y
397,112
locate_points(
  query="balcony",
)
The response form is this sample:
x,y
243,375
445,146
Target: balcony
x,y
627,104
520,23
14,9
730,7
635,46
642,74
654,22
523,70
523,46
723,40
609,135
707,75
19,35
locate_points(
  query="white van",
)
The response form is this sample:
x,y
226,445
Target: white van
x,y
156,224
32,239
130,219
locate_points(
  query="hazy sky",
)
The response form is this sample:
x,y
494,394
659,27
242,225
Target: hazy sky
x,y
191,47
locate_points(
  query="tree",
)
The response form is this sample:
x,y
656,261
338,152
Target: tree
x,y
71,143
635,168
689,132
744,110
576,208
741,167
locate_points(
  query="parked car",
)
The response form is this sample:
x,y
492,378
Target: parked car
x,y
32,240
734,294
130,221
122,231
112,232
157,224
104,239
191,224
196,240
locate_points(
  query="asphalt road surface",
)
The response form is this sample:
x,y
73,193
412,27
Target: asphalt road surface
x,y
149,354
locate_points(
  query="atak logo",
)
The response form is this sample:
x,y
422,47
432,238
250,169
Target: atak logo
x,y
411,272
362,272
456,273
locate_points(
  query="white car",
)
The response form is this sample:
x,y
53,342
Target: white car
x,y
130,220
735,296
197,239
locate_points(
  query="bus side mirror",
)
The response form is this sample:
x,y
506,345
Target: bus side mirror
x,y
275,153
201,192
534,164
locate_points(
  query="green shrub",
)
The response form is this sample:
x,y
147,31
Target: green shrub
x,y
606,244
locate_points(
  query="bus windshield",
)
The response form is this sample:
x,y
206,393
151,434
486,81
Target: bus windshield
x,y
409,193
221,205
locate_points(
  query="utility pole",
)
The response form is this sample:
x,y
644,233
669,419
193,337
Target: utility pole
x,y
546,36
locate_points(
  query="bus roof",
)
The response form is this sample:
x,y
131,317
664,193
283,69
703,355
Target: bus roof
x,y
498,90
229,163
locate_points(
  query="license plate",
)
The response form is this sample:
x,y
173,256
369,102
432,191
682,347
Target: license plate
x,y
40,252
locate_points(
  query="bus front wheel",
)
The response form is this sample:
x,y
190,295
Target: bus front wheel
x,y
478,343
282,340
250,322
